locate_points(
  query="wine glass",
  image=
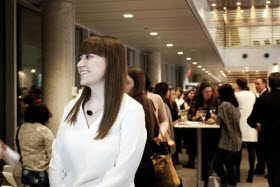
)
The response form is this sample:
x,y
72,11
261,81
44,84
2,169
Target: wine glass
x,y
212,111
203,114
183,114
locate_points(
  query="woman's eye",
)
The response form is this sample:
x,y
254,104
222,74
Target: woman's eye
x,y
88,56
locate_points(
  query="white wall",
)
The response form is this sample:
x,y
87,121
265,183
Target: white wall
x,y
232,57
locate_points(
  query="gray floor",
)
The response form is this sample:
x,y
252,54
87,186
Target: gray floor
x,y
189,175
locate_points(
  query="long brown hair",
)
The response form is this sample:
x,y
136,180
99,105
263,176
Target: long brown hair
x,y
138,93
115,75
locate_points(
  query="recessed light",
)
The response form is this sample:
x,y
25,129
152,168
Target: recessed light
x,y
153,33
238,3
252,7
225,8
128,15
206,71
199,66
238,7
203,69
209,73
188,58
33,71
266,6
267,2
169,45
194,63
241,10
213,4
180,53
212,12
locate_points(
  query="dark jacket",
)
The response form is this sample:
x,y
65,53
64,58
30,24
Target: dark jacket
x,y
270,121
254,118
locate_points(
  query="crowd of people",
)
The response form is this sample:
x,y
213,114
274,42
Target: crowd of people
x,y
109,134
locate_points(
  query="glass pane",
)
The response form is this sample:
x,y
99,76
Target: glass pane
x,y
78,41
29,58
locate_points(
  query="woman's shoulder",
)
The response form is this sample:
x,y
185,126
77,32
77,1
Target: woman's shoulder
x,y
128,103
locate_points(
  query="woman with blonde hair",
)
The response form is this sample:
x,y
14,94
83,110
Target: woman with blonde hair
x,y
102,134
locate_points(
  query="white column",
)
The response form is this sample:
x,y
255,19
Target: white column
x,y
58,57
154,67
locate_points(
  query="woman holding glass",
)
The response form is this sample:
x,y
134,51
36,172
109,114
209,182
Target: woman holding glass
x,y
210,137
102,134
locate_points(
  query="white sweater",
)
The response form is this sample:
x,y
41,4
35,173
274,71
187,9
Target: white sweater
x,y
79,160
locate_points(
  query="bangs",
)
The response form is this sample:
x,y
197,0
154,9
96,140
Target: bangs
x,y
94,45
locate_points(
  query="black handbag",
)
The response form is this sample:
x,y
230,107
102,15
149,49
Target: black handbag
x,y
30,176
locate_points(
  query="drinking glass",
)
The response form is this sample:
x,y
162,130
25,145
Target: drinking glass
x,y
212,111
203,114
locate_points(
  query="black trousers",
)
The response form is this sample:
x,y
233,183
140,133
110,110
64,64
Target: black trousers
x,y
251,147
273,165
225,158
145,174
260,152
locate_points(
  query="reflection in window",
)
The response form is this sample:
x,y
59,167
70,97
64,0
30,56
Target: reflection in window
x,y
29,58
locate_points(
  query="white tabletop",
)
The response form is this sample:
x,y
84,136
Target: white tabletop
x,y
196,124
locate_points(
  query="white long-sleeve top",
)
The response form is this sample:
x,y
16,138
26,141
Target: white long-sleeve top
x,y
160,111
246,100
79,160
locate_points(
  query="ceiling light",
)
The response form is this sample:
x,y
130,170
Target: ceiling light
x,y
252,7
238,7
194,63
241,10
212,12
153,33
206,71
199,66
169,45
267,2
128,15
213,4
209,73
246,67
33,71
188,58
223,73
180,53
257,71
203,69
225,8
266,6
238,3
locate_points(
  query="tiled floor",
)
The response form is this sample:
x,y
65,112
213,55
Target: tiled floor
x,y
189,175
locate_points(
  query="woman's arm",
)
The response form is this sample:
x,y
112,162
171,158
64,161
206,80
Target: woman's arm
x,y
56,167
162,117
48,140
132,143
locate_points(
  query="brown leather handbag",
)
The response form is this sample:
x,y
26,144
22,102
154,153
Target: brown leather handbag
x,y
165,174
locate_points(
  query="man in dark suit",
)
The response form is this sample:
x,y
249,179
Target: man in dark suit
x,y
254,120
270,127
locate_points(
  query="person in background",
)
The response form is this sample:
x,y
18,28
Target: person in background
x,y
270,127
162,89
136,89
102,135
189,135
175,119
230,139
3,147
160,111
35,92
246,100
189,96
179,99
35,141
254,122
210,137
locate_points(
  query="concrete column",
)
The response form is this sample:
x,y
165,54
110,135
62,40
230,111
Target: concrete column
x,y
58,57
154,67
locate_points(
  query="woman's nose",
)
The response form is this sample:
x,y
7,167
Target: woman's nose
x,y
80,63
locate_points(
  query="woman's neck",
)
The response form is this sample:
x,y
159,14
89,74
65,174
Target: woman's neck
x,y
97,95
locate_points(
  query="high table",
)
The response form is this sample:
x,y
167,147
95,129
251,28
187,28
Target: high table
x,y
198,126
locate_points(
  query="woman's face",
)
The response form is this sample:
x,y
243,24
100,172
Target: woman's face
x,y
207,93
172,96
92,69
191,95
167,94
129,85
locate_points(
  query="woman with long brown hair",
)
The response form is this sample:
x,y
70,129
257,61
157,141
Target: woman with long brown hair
x,y
102,133
136,89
